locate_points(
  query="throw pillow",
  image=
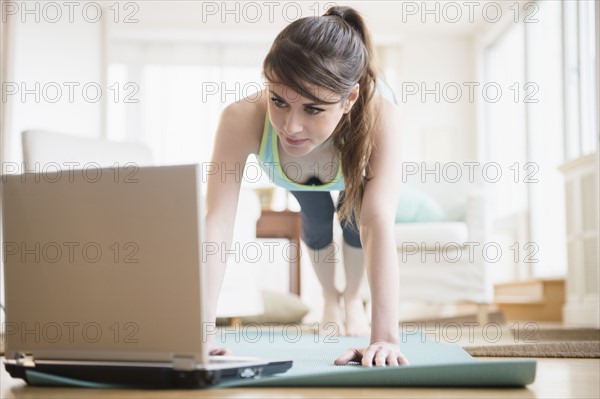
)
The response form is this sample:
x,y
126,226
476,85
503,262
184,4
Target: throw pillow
x,y
280,308
417,207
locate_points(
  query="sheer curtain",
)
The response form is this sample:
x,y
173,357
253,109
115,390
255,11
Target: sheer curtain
x,y
546,142
506,145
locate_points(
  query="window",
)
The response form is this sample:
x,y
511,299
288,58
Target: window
x,y
545,133
505,126
553,120
177,92
580,63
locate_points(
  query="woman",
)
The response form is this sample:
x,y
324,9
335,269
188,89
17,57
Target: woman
x,y
321,114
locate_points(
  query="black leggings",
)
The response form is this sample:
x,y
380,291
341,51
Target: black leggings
x,y
316,212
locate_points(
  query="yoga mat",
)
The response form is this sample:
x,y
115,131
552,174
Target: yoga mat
x,y
431,363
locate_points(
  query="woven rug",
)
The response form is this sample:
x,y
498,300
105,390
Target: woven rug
x,y
583,343
548,334
573,349
536,341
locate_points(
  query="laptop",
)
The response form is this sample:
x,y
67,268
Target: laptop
x,y
104,277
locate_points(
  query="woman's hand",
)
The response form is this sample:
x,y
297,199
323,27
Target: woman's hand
x,y
214,351
378,353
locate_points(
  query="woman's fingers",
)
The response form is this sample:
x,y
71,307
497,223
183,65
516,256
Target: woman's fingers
x,y
369,355
402,359
381,356
378,355
220,352
351,355
392,359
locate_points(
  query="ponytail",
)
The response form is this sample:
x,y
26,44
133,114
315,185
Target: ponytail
x,y
355,132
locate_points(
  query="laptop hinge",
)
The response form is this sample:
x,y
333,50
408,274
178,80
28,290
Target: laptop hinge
x,y
24,360
186,363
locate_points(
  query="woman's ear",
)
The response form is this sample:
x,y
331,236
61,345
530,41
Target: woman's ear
x,y
351,99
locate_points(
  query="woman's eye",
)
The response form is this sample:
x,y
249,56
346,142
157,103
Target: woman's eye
x,y
277,102
312,110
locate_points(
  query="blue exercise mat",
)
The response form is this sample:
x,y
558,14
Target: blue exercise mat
x,y
431,363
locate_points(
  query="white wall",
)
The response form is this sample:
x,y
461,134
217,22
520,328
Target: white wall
x,y
436,128
50,55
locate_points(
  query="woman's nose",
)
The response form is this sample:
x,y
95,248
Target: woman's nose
x,y
293,123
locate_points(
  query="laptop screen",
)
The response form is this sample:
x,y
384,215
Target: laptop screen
x,y
104,263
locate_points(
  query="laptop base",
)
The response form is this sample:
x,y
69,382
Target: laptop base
x,y
112,374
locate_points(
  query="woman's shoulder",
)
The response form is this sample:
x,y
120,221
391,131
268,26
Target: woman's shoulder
x,y
245,119
248,107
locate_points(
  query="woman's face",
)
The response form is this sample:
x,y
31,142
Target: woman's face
x,y
301,123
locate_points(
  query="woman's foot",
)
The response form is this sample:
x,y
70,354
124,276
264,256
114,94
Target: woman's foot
x,y
332,323
357,322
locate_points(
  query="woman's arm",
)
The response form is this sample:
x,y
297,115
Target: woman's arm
x,y
238,135
378,213
380,200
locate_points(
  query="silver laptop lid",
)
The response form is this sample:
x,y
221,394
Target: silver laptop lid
x,y
104,264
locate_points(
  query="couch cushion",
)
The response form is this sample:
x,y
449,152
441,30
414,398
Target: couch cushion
x,y
415,206
441,233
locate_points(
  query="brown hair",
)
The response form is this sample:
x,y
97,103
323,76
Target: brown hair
x,y
334,52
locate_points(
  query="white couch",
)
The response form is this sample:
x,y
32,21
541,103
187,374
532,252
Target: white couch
x,y
435,263
442,262
51,149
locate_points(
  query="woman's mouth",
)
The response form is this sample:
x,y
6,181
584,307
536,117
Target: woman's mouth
x,y
295,142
